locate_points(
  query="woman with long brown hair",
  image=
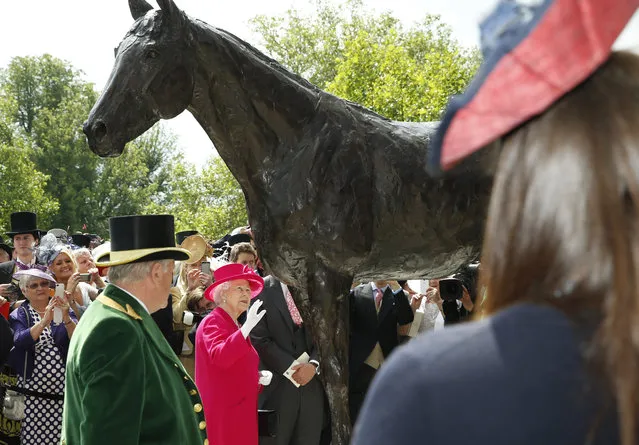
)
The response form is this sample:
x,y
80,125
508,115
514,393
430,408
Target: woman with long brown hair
x,y
555,358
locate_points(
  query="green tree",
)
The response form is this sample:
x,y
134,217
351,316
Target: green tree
x,y
43,103
210,201
22,187
402,73
37,83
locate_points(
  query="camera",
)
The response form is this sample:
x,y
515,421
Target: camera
x,y
451,289
85,277
14,291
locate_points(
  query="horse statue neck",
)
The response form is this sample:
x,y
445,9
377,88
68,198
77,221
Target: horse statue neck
x,y
247,103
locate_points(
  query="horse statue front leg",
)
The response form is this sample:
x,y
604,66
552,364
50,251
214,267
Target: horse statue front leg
x,y
328,295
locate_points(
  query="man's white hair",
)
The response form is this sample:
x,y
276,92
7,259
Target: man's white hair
x,y
132,272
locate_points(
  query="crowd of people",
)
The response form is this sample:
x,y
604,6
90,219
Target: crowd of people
x,y
238,335
145,341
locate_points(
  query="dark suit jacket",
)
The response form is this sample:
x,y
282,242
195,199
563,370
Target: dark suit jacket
x,y
278,342
274,339
368,328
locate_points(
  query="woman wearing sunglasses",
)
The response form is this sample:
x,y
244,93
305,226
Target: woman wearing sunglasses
x,y
39,356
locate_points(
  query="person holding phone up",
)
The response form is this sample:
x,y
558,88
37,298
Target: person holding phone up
x,y
39,355
62,265
188,304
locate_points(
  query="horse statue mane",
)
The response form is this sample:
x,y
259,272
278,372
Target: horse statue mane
x,y
334,192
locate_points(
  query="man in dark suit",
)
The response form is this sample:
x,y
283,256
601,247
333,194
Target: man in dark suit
x,y
25,236
280,338
376,312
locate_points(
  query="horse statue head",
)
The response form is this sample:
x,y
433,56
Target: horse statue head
x,y
152,78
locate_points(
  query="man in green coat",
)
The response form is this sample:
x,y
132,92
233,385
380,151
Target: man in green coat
x,y
124,384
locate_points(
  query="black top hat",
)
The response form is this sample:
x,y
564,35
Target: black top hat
x,y
24,222
140,238
239,238
81,240
181,236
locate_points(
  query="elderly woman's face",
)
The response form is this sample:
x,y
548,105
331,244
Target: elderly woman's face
x,y
62,267
238,297
85,262
37,289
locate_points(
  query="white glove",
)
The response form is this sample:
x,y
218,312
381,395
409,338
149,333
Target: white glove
x,y
265,378
252,318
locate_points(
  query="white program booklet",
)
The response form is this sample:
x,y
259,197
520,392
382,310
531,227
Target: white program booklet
x,y
304,358
417,321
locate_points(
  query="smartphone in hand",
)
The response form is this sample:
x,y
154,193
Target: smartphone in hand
x,y
206,267
57,312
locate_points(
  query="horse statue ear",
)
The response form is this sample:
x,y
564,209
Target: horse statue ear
x,y
168,6
139,8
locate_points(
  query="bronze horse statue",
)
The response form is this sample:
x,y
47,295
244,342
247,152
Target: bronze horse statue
x,y
334,191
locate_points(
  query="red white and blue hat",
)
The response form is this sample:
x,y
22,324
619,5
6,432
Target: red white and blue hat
x,y
535,51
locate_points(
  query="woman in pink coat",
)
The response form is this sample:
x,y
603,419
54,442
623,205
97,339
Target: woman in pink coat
x,y
226,364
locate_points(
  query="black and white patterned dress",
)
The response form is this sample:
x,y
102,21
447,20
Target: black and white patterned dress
x,y
43,422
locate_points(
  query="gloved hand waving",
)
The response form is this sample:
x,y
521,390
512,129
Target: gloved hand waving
x,y
252,318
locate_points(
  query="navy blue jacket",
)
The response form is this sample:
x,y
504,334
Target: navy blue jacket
x,y
517,377
23,343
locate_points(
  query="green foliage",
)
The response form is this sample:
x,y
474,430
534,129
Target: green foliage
x,y
37,83
308,45
210,201
402,73
22,187
43,103
47,166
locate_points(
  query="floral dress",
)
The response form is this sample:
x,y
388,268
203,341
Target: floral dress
x,y
43,422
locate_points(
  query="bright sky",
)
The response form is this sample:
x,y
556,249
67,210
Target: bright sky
x,y
84,32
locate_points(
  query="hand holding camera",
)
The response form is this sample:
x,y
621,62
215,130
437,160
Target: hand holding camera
x,y
193,279
48,315
467,302
432,296
73,282
9,291
416,301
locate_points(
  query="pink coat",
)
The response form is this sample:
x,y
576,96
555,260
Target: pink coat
x,y
227,376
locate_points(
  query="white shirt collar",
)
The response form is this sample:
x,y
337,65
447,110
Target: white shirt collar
x,y
383,289
136,298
